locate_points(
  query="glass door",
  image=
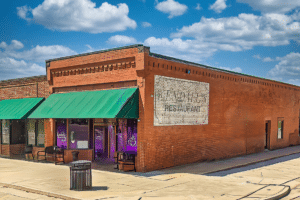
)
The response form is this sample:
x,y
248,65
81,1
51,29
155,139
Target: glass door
x,y
101,142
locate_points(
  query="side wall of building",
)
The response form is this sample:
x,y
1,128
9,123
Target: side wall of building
x,y
239,107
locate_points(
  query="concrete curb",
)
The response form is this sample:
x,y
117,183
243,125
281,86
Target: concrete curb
x,y
36,191
284,193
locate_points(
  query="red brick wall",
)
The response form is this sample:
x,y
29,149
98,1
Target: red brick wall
x,y
17,149
24,88
5,149
238,108
49,126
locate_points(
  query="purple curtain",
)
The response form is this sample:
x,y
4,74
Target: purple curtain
x,y
122,135
131,135
61,133
111,133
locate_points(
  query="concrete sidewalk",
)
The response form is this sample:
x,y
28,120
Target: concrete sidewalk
x,y
32,180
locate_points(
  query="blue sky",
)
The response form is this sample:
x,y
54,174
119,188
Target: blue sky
x,y
255,37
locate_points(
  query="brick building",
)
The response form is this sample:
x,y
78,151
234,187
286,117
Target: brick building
x,y
15,127
163,110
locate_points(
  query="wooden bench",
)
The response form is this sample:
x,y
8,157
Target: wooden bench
x,y
52,152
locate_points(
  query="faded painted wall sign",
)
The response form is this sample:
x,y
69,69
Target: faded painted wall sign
x,y
180,101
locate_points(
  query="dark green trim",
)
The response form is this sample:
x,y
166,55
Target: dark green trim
x,y
129,111
31,111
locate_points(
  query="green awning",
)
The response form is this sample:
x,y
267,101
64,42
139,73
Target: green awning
x,y
18,108
114,103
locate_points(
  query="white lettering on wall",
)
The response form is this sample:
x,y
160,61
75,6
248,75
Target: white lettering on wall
x,y
180,101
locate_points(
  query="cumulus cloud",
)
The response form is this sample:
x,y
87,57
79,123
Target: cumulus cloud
x,y
12,68
146,24
257,56
272,6
190,50
198,7
288,69
79,15
16,62
218,6
121,39
171,7
268,59
41,53
242,32
13,46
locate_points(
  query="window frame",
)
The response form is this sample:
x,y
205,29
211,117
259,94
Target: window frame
x,y
281,121
69,133
10,131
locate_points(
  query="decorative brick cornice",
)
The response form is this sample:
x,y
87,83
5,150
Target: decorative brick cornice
x,y
93,69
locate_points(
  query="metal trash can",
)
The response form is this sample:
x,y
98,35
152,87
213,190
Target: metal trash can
x,y
75,155
81,175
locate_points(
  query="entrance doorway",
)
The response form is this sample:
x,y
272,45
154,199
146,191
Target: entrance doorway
x,y
267,134
101,142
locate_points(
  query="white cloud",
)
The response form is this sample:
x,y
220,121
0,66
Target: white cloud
x,y
184,49
272,6
236,69
171,7
121,39
79,15
268,59
15,44
146,24
242,32
41,53
12,68
16,62
198,7
218,6
288,69
257,56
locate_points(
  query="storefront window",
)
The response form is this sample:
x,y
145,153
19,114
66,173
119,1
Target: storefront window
x,y
99,140
131,135
40,133
5,131
31,132
61,133
79,134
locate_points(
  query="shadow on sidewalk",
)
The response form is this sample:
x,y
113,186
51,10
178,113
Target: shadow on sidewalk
x,y
254,166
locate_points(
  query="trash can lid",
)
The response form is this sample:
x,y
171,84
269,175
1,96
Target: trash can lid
x,y
81,162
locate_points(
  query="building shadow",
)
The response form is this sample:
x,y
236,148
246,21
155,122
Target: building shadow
x,y
254,166
97,188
